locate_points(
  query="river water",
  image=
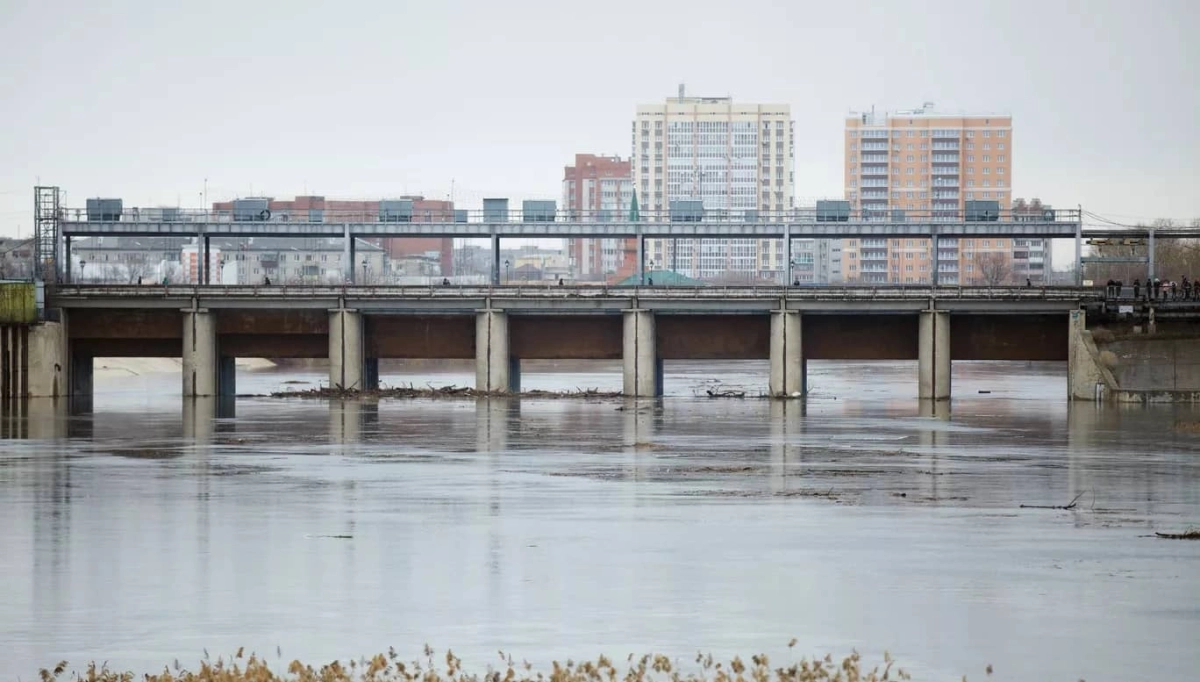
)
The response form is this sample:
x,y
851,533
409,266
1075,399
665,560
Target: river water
x,y
152,529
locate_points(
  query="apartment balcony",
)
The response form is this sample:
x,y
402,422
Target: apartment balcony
x,y
945,182
945,146
946,134
945,158
874,147
874,158
868,196
874,170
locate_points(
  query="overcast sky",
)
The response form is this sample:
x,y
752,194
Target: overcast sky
x,y
144,100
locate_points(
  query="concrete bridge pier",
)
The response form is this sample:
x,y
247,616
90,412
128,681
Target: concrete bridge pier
x,y
933,355
49,361
495,369
205,372
348,368
787,355
643,369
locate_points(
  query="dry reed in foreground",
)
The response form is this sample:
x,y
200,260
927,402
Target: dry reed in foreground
x,y
389,668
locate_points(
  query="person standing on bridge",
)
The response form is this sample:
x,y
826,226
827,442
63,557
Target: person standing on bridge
x,y
1174,290
1137,288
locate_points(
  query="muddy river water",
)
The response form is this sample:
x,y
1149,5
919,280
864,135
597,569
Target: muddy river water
x,y
152,528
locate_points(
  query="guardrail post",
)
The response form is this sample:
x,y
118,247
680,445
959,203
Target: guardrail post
x,y
1150,254
495,257
347,254
1078,251
933,243
787,254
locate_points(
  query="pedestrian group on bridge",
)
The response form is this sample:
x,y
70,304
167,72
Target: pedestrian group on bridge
x,y
1155,289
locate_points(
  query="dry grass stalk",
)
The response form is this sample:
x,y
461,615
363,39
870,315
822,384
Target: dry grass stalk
x,y
389,668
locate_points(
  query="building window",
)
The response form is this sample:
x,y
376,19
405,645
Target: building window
x,y
970,158
1000,145
986,158
1000,171
970,146
908,133
1000,133
910,158
999,183
987,133
970,133
987,171
987,146
1000,158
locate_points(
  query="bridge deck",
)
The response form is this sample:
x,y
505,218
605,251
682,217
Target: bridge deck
x,y
582,299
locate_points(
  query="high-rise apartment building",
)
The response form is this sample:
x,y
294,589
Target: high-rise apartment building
x,y
599,189
923,165
735,158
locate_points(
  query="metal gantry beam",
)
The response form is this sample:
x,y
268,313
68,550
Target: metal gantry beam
x,y
611,230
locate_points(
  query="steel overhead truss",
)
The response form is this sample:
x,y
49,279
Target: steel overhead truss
x,y
47,232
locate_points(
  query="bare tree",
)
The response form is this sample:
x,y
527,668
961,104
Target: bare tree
x,y
993,269
137,267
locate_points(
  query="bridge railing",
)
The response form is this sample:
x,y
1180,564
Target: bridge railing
x,y
439,216
554,291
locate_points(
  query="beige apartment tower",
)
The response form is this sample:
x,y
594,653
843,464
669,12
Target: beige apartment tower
x,y
735,158
923,165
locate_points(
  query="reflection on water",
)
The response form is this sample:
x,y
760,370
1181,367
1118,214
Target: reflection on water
x,y
154,527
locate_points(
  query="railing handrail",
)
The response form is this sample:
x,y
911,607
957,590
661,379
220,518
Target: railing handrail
x,y
706,215
552,290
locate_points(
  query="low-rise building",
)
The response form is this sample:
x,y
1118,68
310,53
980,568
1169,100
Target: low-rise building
x,y
16,258
128,260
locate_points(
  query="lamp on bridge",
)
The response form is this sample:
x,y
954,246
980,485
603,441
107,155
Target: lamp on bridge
x,y
82,263
364,264
507,276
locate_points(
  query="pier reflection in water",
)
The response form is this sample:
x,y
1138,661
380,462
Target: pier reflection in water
x,y
151,527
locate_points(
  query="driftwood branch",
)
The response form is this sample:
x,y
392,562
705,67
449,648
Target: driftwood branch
x,y
1065,506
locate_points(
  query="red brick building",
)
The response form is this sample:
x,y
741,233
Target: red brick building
x,y
599,189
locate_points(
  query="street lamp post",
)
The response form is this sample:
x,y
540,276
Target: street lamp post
x,y
507,275
82,263
364,264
